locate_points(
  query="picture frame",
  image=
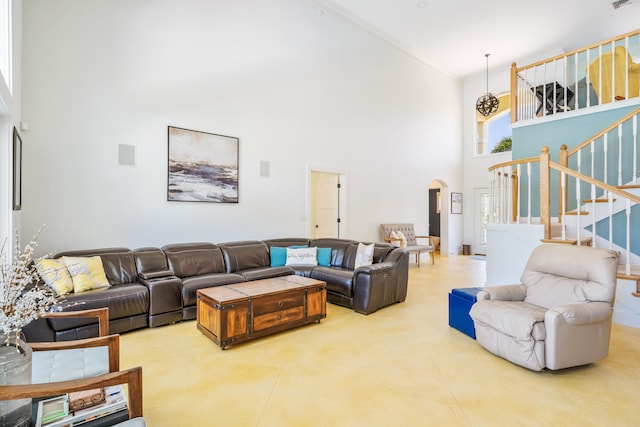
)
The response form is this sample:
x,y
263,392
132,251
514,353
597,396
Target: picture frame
x,y
202,166
456,203
17,170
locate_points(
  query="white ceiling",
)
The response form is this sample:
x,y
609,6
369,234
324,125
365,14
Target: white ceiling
x,y
454,35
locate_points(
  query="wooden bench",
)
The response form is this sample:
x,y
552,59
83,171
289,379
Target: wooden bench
x,y
409,233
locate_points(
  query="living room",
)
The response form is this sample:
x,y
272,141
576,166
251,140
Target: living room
x,y
303,91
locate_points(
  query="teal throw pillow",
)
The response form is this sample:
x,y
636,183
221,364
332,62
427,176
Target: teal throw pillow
x,y
278,256
324,257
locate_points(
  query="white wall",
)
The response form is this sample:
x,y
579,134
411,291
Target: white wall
x,y
10,109
301,90
476,168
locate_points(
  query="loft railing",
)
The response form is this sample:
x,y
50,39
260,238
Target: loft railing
x,y
597,74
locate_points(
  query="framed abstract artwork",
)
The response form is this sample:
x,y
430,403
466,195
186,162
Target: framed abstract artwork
x,y
456,203
203,167
17,170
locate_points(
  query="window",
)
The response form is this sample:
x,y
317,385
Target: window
x,y
493,129
5,41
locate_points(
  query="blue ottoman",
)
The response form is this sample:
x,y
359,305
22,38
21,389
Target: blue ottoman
x,y
460,302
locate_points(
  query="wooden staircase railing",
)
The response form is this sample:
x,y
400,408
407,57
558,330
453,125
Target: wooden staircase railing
x,y
608,180
628,271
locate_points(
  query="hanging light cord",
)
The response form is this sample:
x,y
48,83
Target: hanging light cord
x,y
487,74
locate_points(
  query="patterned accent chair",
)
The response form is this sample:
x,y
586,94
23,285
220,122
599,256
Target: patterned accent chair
x,y
409,233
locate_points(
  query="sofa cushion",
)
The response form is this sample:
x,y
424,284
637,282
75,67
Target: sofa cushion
x,y
303,270
151,262
194,259
245,255
380,251
339,280
191,284
517,319
338,248
287,241
119,265
123,301
562,274
349,259
266,272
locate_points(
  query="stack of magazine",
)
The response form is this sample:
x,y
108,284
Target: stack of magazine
x,y
55,412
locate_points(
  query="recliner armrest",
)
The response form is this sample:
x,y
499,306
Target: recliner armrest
x,y
503,293
581,314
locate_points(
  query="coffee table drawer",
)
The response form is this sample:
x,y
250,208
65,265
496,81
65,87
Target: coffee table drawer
x,y
275,310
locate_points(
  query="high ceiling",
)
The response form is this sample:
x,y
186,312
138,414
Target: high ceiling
x,y
454,35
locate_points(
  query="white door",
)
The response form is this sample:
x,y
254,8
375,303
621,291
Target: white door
x,y
325,205
481,218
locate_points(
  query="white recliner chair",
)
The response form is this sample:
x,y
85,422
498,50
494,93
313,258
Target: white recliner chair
x,y
559,316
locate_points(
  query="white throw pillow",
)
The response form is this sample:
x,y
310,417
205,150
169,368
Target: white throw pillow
x,y
302,256
395,239
403,239
364,255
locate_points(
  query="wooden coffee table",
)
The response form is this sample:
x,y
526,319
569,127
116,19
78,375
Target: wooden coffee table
x,y
232,314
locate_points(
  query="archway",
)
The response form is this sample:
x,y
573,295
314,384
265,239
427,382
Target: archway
x,y
438,214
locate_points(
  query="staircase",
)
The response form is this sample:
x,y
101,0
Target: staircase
x,y
595,186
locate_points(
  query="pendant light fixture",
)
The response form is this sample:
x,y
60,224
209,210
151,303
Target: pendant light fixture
x,y
487,104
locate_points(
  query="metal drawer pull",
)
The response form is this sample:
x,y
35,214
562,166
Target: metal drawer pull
x,y
280,304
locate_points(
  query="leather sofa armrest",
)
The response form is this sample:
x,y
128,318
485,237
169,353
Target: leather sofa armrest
x,y
380,267
581,314
503,293
155,274
377,285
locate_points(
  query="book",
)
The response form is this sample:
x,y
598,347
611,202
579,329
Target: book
x,y
55,412
86,398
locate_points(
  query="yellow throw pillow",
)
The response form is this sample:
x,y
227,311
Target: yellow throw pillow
x,y
86,273
55,274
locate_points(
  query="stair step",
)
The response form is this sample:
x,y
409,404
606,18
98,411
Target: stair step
x,y
630,186
624,276
584,242
576,213
597,200
634,274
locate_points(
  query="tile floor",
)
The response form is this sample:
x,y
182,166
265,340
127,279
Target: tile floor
x,y
401,366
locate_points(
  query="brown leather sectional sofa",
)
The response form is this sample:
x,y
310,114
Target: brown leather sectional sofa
x,y
157,286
